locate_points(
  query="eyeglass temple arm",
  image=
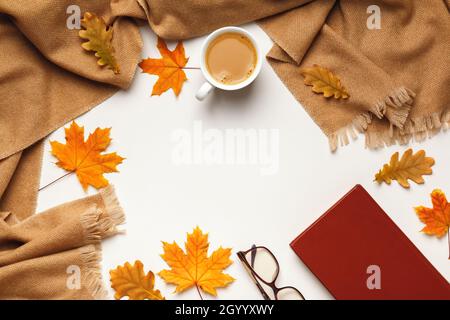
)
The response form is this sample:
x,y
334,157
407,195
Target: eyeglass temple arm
x,y
250,272
263,292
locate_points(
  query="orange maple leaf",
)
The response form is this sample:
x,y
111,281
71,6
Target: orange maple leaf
x,y
85,158
169,68
195,268
436,219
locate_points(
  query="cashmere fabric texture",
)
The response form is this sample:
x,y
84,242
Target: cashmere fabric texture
x,y
397,77
56,254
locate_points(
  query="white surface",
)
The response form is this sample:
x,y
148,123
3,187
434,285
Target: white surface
x,y
236,204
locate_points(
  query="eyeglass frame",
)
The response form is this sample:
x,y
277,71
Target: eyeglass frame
x,y
255,276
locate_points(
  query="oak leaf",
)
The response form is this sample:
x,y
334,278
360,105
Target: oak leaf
x,y
84,157
132,282
436,219
324,81
195,268
410,166
99,38
169,68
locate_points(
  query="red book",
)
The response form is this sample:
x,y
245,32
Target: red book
x,y
358,252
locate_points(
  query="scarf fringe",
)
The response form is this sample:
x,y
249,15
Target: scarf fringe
x,y
358,125
395,106
91,256
99,222
116,215
417,129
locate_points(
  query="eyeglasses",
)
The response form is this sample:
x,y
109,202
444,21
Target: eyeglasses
x,y
264,268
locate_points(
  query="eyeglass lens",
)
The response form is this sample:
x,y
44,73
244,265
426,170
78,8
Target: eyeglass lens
x,y
289,294
263,264
266,267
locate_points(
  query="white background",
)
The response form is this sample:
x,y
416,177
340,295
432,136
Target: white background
x,y
236,204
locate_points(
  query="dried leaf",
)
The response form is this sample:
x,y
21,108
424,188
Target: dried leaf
x,y
436,219
131,281
99,38
85,158
324,81
411,166
195,268
169,68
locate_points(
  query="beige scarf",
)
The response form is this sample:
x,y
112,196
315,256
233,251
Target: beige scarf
x,y
56,254
397,76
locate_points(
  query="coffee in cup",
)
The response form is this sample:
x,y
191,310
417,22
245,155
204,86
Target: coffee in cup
x,y
231,58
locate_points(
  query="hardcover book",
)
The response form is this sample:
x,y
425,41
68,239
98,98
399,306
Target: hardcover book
x,y
358,252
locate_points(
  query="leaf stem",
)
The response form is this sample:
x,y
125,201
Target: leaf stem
x,y
56,180
191,68
199,293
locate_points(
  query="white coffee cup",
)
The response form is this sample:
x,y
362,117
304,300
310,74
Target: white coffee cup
x,y
211,83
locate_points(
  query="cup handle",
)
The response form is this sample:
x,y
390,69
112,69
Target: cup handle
x,y
204,90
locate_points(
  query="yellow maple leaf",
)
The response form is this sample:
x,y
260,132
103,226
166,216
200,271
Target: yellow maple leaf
x,y
99,38
132,282
436,219
195,268
411,166
324,81
85,158
169,68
